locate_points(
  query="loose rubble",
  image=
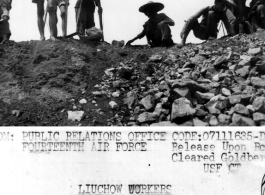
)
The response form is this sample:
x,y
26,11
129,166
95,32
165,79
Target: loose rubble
x,y
221,83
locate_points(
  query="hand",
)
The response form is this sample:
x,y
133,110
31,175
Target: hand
x,y
129,42
5,18
100,10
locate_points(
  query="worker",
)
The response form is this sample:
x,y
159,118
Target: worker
x,y
40,15
156,29
85,10
238,9
207,28
5,33
52,7
257,14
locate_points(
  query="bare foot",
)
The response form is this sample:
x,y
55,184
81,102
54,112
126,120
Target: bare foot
x,y
180,45
260,29
42,39
53,38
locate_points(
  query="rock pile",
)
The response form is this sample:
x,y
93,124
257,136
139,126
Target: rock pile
x,y
220,83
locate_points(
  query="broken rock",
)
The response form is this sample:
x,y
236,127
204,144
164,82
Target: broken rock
x,y
181,109
148,102
75,115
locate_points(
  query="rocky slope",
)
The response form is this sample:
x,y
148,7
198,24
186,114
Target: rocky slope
x,y
219,83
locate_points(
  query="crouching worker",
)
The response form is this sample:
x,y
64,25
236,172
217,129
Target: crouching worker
x,y
5,33
156,29
257,14
207,28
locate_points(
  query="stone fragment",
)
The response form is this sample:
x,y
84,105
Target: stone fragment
x,y
258,117
224,120
130,99
241,109
83,101
192,85
155,58
200,113
259,104
182,92
116,94
213,121
197,59
219,61
181,109
203,97
214,111
239,120
75,115
94,34
251,109
148,102
243,72
118,43
255,51
147,117
109,71
258,82
98,93
16,113
226,92
113,104
244,63
198,123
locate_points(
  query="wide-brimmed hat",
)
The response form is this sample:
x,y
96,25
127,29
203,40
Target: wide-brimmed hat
x,y
151,5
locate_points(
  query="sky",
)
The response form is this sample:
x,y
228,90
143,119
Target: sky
x,y
121,19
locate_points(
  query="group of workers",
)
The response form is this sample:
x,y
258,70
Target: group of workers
x,y
234,14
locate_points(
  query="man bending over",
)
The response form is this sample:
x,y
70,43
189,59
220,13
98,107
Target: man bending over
x,y
156,29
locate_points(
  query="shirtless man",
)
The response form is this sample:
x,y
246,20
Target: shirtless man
x,y
52,7
40,15
207,28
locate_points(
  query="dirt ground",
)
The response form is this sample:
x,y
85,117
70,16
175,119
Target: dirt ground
x,y
41,81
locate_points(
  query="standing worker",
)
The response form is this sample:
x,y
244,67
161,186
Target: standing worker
x,y
40,15
156,29
52,7
85,10
5,33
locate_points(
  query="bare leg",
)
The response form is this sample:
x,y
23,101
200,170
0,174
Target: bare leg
x,y
40,13
52,19
63,16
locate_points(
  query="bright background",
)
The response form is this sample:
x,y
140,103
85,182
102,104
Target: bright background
x,y
122,20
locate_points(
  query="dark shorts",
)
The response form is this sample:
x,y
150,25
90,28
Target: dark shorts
x,y
4,28
84,20
35,1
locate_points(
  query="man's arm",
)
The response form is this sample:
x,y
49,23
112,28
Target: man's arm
x,y
98,4
141,35
200,13
166,20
